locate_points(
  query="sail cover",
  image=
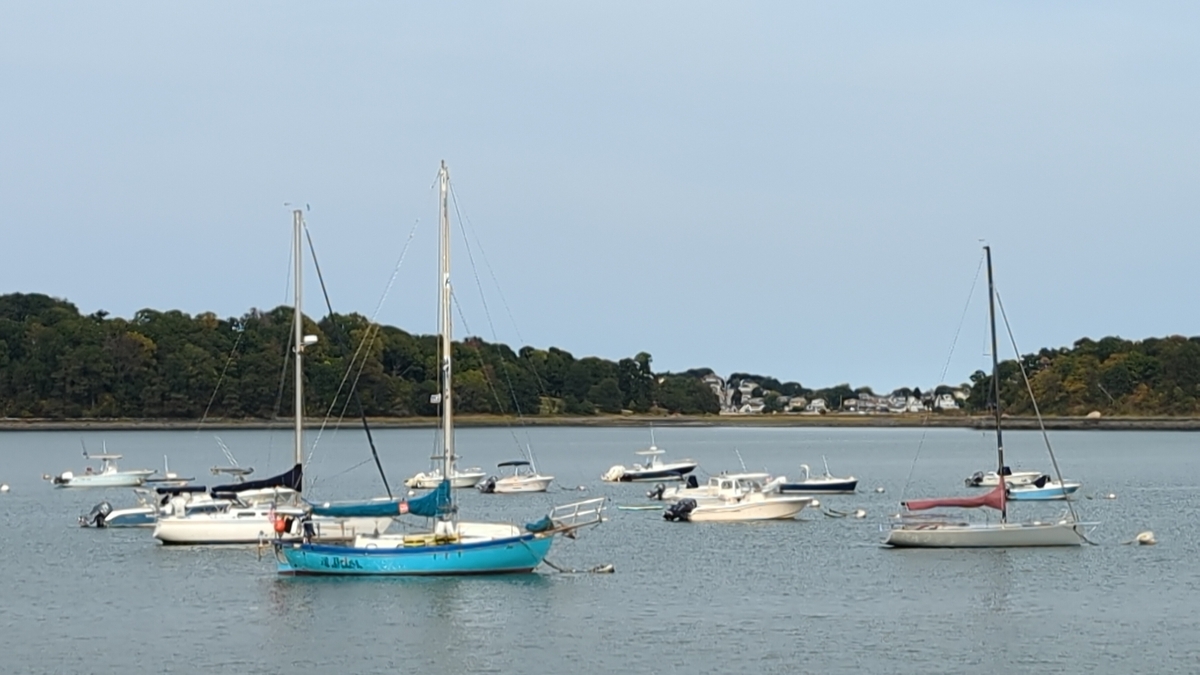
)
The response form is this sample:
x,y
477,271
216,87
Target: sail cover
x,y
436,503
291,479
994,499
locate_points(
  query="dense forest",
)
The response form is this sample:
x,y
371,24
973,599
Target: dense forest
x,y
57,363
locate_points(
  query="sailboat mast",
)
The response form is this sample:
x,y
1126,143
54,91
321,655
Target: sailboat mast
x,y
298,332
444,327
996,379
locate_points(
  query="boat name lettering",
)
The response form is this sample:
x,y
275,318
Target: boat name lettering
x,y
340,563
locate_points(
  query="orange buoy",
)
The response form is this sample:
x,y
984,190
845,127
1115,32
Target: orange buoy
x,y
280,526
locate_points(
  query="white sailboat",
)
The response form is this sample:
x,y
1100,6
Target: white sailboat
x,y
933,532
272,507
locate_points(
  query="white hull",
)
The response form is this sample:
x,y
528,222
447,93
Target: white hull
x,y
104,480
777,508
518,484
991,479
462,479
210,529
1010,535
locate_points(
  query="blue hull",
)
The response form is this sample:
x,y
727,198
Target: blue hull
x,y
501,556
1042,494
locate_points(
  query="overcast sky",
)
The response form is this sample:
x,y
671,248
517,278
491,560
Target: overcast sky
x,y
792,189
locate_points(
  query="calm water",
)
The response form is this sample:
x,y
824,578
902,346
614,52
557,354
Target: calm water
x,y
815,595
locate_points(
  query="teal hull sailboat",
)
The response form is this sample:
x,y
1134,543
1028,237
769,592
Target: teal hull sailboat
x,y
447,545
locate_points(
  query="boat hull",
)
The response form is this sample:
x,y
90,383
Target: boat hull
x,y
508,486
991,479
1050,492
121,479
820,487
216,529
668,472
1010,535
462,480
140,516
501,556
768,509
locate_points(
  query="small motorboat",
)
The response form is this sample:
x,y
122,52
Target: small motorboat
x,y
992,479
1044,489
524,478
739,498
459,478
107,476
691,488
654,469
820,485
154,503
168,478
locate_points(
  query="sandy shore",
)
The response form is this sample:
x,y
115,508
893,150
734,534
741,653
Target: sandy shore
x,y
849,421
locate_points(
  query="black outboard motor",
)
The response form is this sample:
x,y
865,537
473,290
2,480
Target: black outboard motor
x,y
488,486
680,510
975,480
1042,480
96,516
657,492
691,482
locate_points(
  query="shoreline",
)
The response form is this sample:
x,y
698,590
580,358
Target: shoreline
x,y
982,422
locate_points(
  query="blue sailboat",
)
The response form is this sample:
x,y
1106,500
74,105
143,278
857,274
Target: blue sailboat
x,y
448,546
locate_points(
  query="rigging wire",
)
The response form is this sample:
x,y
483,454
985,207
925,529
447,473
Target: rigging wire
x,y
1036,410
228,361
945,368
362,412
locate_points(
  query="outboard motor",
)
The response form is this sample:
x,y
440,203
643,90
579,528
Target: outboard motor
x,y
975,479
488,486
691,482
1042,480
96,516
680,510
657,492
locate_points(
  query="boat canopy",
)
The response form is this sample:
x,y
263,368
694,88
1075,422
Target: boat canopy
x,y
105,458
514,462
994,499
292,479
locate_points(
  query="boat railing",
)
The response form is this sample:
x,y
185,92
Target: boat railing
x,y
578,514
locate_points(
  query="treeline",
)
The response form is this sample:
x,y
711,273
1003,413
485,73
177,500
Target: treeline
x,y
57,363
1156,376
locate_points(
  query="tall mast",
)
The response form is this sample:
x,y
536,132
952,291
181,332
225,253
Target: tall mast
x,y
996,381
444,325
298,333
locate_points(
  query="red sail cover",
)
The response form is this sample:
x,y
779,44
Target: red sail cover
x,y
993,499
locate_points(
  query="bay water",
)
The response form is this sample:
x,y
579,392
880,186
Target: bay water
x,y
818,594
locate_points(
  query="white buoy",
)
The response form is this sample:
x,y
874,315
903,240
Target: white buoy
x,y
1110,496
1146,538
860,513
816,504
879,490
4,487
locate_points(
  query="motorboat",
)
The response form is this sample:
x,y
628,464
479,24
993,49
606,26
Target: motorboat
x,y
153,503
524,478
1044,488
738,498
107,476
459,478
654,469
1011,478
168,478
692,489
825,484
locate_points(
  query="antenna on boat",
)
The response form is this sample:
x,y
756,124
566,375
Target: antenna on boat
x,y
742,461
826,463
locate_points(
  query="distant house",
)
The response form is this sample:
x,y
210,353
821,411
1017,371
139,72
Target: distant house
x,y
753,406
796,404
817,405
850,404
945,402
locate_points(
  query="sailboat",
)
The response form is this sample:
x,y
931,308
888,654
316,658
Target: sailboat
x,y
945,533
269,507
448,546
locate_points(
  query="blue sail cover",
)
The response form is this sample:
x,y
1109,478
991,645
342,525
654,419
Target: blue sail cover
x,y
434,504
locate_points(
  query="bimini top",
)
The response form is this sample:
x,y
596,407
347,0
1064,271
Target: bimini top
x,y
104,458
514,462
652,450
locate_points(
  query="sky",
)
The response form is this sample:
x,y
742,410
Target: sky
x,y
793,189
